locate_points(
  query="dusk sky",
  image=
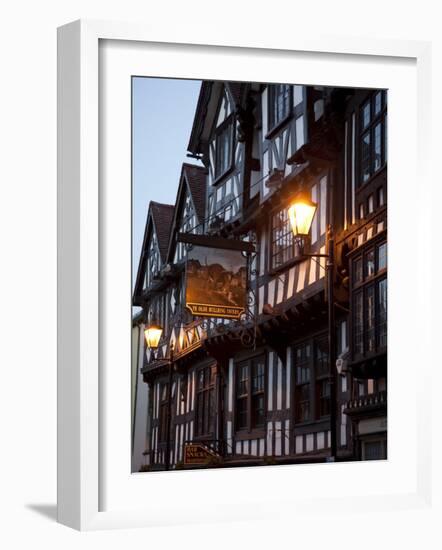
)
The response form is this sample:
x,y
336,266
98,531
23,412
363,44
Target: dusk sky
x,y
162,118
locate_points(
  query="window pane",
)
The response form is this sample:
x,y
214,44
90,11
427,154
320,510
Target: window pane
x,y
365,157
201,379
302,399
223,150
322,357
280,103
382,308
242,386
303,364
365,115
205,400
382,256
302,392
300,137
258,377
298,95
377,161
323,398
377,103
358,323
241,413
258,411
283,247
369,263
164,393
370,311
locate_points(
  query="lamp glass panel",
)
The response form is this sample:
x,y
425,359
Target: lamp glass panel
x,y
153,336
301,215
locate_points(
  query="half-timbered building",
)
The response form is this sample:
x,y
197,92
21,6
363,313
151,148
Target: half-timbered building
x,y
259,391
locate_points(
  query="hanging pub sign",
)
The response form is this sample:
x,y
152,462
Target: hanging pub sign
x,y
197,454
216,282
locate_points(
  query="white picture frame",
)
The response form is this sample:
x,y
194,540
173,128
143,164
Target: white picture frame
x,y
82,398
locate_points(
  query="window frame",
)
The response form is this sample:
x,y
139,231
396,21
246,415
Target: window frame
x,y
368,283
163,411
227,124
316,379
321,377
369,129
306,365
250,427
208,395
273,126
296,256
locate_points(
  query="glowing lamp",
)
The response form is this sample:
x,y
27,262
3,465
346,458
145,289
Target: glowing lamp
x,y
301,214
153,336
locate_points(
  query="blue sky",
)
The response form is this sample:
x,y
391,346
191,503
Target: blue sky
x,y
162,117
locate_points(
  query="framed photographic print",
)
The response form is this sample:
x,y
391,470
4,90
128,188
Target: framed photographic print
x,y
224,218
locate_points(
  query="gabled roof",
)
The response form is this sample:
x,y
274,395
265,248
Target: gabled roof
x,y
159,216
162,216
199,118
196,178
210,94
236,91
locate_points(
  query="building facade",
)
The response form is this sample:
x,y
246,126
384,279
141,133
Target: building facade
x,y
258,392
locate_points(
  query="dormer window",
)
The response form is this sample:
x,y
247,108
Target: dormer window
x,y
224,148
280,100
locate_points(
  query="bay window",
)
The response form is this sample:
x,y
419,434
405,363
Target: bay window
x,y
369,296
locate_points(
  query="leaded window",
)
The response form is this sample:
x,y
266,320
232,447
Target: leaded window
x,y
303,355
369,296
153,262
373,135
280,97
312,380
163,412
250,394
223,148
283,243
257,404
242,396
205,400
322,378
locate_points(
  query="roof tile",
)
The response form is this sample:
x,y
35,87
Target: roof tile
x,y
162,216
196,178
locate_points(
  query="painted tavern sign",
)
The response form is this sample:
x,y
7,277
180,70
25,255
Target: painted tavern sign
x,y
216,282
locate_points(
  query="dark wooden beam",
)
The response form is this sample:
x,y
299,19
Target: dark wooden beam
x,y
215,242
